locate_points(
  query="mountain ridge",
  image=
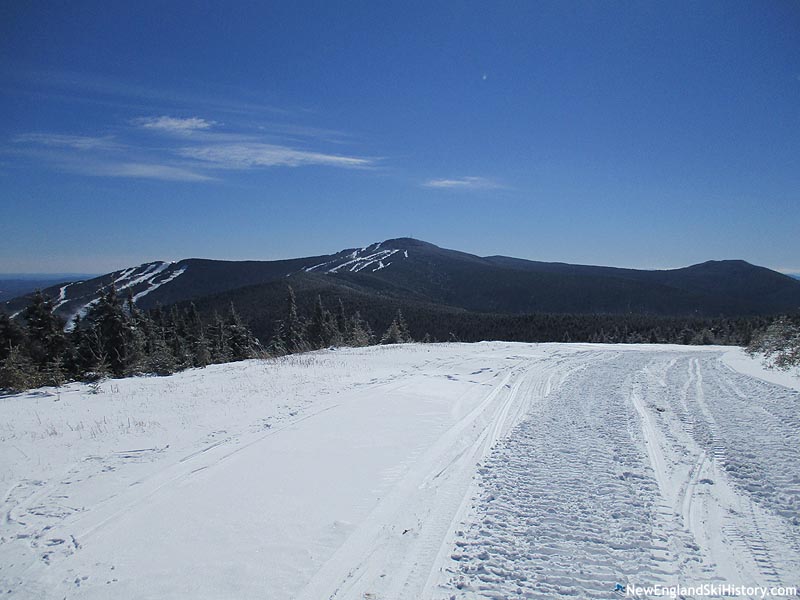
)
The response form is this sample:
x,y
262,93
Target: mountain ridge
x,y
407,269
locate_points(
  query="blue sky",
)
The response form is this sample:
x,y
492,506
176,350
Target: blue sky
x,y
636,134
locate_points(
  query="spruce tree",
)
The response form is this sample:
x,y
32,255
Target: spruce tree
x,y
242,343
139,332
397,333
11,335
218,336
17,372
44,332
293,331
342,324
402,326
322,330
360,333
110,332
392,335
175,332
198,342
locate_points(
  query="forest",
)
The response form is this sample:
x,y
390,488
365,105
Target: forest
x,y
114,338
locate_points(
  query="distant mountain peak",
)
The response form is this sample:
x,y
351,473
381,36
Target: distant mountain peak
x,y
408,268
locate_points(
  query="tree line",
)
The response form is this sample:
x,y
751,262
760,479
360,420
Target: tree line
x,y
779,343
113,337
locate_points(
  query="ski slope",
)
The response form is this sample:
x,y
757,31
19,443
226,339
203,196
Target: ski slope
x,y
490,470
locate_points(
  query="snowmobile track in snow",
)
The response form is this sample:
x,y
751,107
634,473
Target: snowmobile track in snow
x,y
490,470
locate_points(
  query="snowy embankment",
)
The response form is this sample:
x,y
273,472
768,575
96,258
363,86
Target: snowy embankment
x,y
421,471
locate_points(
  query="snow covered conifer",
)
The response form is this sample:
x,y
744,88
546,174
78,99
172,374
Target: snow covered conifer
x,y
360,333
11,335
322,330
293,330
397,333
243,344
111,329
17,372
198,341
45,331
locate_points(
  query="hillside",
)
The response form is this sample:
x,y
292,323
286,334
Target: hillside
x,y
408,271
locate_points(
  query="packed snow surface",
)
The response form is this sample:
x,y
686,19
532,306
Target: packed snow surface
x,y
489,470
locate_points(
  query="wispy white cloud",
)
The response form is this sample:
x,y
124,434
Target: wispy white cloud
x,y
174,124
80,87
102,157
302,133
464,183
76,142
193,149
144,171
251,155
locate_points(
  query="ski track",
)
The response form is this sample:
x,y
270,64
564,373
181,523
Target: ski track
x,y
658,468
526,471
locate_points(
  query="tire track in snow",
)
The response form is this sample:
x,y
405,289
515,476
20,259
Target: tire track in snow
x,y
627,474
377,561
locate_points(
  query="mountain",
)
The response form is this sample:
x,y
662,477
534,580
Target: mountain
x,y
14,285
406,271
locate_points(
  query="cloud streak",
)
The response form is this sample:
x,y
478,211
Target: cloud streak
x,y
255,154
75,142
190,149
80,86
135,170
464,183
174,125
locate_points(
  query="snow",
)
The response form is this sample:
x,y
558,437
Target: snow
x,y
146,274
81,312
491,470
155,285
358,260
150,272
62,296
738,360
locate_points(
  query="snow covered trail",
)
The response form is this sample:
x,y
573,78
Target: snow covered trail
x,y
419,471
645,468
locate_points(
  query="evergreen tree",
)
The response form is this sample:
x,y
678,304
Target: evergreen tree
x,y
292,334
218,336
11,335
403,327
360,333
397,333
139,333
242,343
44,332
779,342
322,331
342,324
199,343
17,372
392,335
110,332
160,359
175,332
